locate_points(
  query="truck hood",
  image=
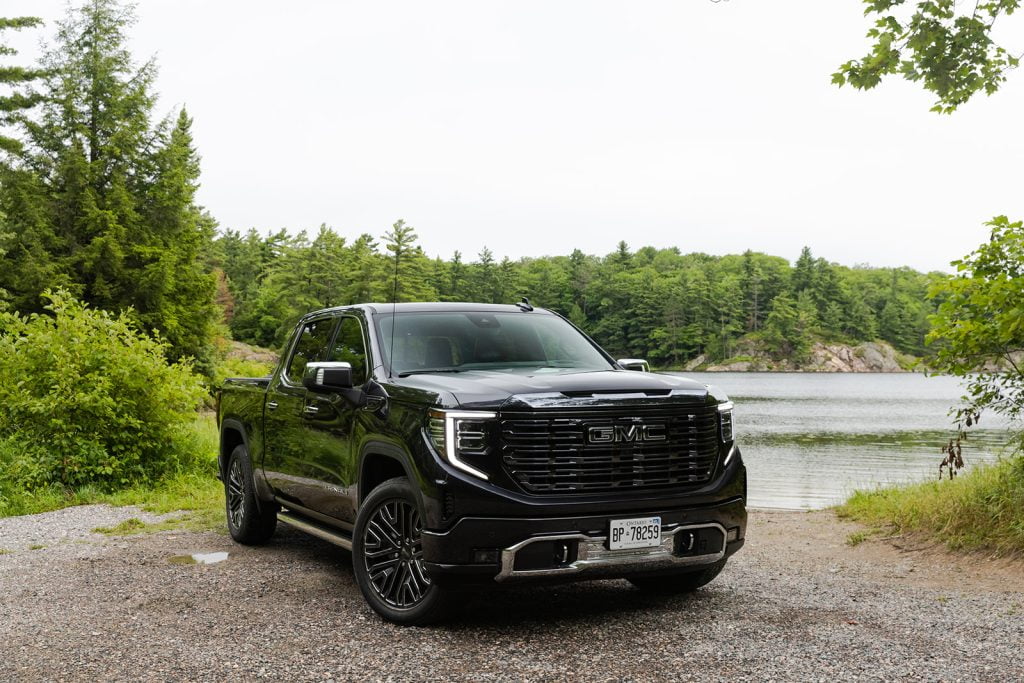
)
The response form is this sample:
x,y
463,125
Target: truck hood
x,y
482,389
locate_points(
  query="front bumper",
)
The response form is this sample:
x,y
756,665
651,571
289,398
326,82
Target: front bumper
x,y
485,550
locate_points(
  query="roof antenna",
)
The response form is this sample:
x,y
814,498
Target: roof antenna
x,y
394,313
524,305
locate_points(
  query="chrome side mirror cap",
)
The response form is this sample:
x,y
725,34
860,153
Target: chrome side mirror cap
x,y
635,364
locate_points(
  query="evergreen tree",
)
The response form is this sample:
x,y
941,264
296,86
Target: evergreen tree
x,y
13,79
409,265
102,199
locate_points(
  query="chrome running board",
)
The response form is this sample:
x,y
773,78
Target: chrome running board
x,y
313,529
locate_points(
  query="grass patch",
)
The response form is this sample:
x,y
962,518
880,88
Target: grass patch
x,y
858,537
36,546
199,492
5,551
982,510
128,526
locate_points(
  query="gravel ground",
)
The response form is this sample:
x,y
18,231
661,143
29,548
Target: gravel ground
x,y
795,604
70,524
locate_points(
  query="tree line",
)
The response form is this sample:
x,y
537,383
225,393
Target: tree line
x,y
663,304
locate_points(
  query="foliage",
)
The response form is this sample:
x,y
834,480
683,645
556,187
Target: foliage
x,y
90,400
14,78
101,199
982,510
661,304
978,330
948,49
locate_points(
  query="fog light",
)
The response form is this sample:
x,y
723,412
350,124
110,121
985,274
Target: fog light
x,y
485,556
733,534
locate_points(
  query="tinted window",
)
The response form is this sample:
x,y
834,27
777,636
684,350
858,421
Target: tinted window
x,y
349,348
311,347
486,341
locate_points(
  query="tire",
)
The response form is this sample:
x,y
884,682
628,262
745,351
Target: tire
x,y
387,558
249,521
678,582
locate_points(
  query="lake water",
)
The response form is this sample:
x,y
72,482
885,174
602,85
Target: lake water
x,y
811,439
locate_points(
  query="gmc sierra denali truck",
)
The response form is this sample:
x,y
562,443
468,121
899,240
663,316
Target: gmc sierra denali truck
x,y
453,446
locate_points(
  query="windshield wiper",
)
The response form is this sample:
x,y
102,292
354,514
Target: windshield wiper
x,y
426,371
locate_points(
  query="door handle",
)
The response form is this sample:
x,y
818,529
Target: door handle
x,y
311,410
271,405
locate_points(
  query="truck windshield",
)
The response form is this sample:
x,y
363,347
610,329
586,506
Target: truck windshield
x,y
464,341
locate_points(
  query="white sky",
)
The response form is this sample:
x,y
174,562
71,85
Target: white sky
x,y
538,127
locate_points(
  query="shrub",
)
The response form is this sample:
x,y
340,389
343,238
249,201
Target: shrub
x,y
89,399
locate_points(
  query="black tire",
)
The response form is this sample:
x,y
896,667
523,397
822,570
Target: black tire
x,y
249,521
678,582
387,558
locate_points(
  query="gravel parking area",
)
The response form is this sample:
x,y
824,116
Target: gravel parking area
x,y
795,604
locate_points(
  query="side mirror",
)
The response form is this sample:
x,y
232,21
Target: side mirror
x,y
325,378
635,364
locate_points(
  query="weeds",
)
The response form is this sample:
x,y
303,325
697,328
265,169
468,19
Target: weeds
x,y
982,510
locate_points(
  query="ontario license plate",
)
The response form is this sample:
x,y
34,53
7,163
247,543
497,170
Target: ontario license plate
x,y
642,532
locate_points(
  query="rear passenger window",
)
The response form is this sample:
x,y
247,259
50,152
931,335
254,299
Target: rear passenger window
x,y
349,348
311,347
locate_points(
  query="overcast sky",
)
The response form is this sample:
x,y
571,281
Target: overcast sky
x,y
538,127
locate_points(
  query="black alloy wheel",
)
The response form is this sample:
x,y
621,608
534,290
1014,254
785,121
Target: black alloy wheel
x,y
393,553
250,521
387,557
234,490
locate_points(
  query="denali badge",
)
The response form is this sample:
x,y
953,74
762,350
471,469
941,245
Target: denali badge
x,y
620,433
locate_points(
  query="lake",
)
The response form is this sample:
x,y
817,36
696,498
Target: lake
x,y
811,439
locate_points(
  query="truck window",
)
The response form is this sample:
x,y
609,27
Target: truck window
x,y
349,347
311,347
485,341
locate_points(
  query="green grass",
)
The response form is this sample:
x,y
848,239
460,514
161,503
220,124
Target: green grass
x,y
197,492
982,510
858,537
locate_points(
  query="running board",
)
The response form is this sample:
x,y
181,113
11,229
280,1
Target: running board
x,y
313,529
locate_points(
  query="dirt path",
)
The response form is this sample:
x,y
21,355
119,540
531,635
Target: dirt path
x,y
796,604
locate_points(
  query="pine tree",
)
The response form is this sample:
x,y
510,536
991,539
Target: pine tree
x,y
409,265
14,78
102,199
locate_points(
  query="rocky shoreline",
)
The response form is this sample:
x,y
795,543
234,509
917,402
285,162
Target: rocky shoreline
x,y
862,358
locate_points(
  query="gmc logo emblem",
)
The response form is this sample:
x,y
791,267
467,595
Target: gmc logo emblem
x,y
625,433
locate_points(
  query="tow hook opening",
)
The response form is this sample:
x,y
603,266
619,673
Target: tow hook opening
x,y
555,554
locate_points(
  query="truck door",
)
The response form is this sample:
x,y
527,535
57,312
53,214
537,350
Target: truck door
x,y
331,425
289,452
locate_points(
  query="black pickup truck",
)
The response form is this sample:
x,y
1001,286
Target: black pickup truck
x,y
455,446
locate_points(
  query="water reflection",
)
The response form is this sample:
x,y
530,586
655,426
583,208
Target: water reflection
x,y
199,558
809,440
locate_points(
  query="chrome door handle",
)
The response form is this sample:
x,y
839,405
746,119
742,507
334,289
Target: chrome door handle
x,y
271,405
311,410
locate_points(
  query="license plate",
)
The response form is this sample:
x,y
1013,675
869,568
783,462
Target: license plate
x,y
642,532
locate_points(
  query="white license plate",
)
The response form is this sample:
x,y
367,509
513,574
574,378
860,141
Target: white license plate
x,y
642,532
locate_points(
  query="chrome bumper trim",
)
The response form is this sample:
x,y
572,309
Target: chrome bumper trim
x,y
593,554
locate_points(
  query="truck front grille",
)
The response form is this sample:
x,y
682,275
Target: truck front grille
x,y
593,450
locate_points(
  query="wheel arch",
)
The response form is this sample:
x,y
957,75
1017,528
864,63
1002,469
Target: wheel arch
x,y
379,462
232,435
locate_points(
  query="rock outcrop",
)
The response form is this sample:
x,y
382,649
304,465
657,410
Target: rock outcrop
x,y
865,357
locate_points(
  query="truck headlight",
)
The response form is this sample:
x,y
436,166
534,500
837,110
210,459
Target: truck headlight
x,y
456,434
725,420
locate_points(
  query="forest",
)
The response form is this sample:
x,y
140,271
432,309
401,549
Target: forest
x,y
663,304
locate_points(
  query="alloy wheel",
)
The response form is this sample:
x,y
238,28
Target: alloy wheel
x,y
393,554
236,494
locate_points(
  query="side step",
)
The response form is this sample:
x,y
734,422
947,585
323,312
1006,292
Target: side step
x,y
314,529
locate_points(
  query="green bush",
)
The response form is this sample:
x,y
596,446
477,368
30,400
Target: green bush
x,y
89,399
